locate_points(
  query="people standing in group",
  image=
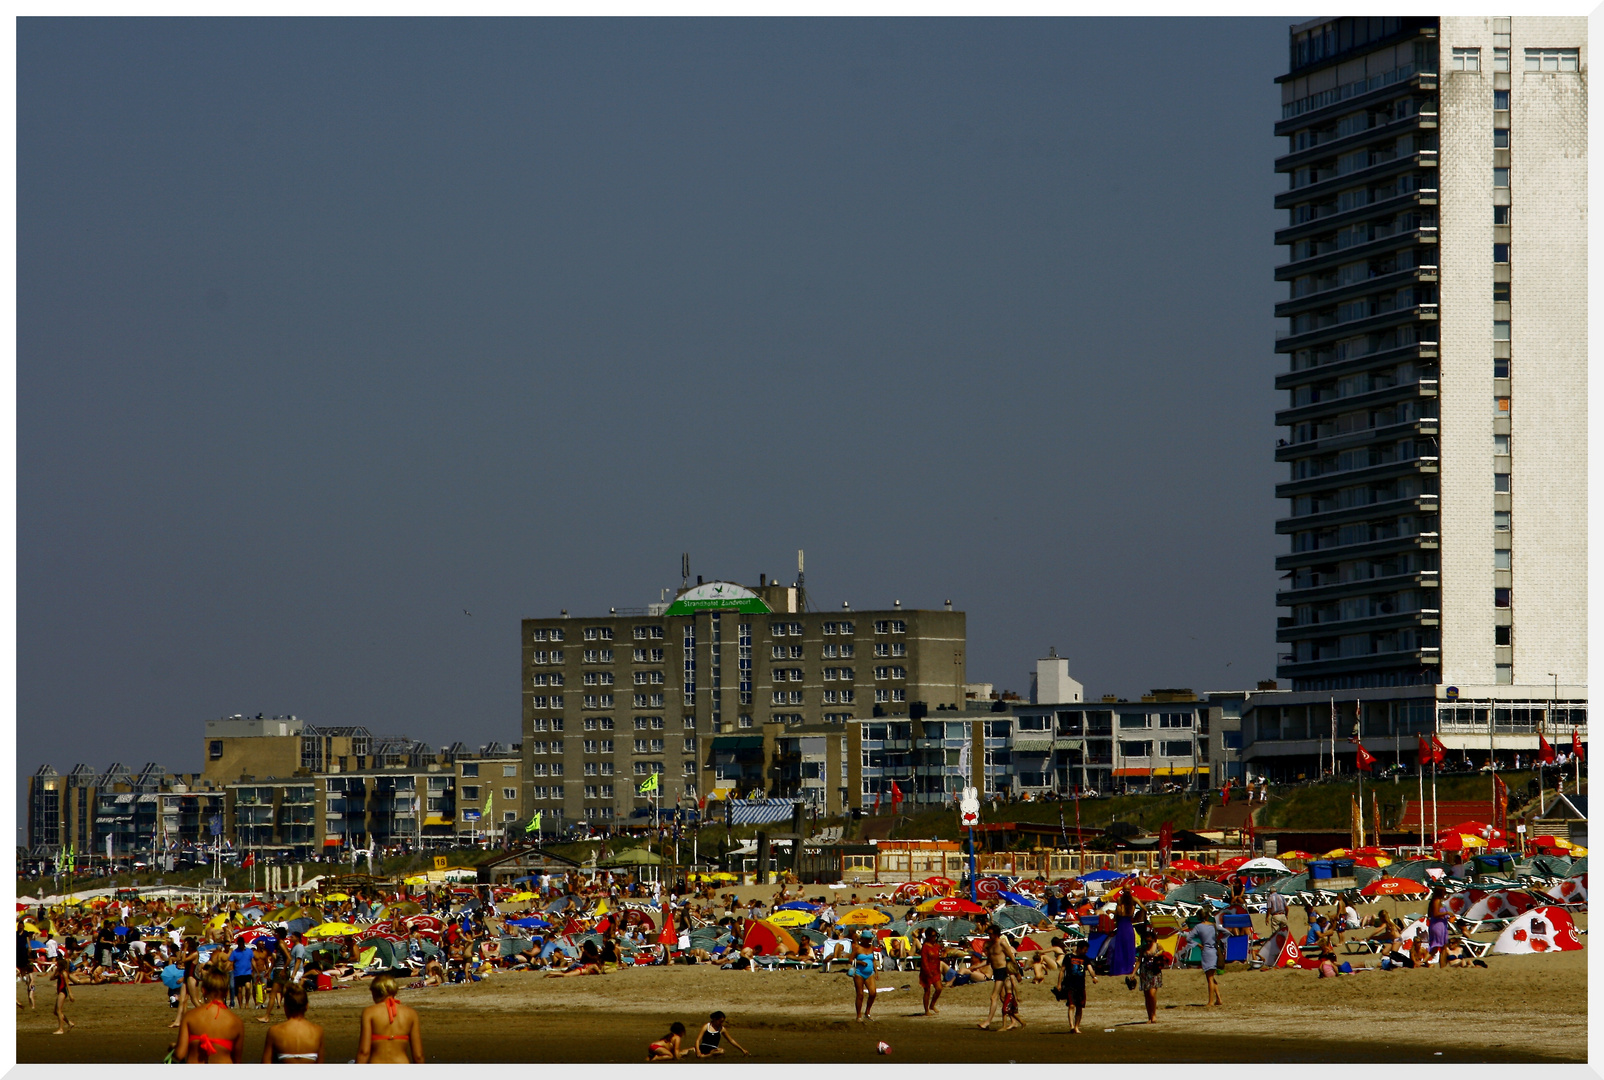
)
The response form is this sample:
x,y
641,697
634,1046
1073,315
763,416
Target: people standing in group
x,y
1000,955
390,1031
210,1033
297,1040
865,986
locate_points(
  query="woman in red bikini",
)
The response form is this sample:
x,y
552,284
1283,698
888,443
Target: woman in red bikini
x,y
210,1034
390,1031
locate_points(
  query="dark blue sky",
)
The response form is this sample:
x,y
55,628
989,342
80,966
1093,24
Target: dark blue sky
x,y
330,330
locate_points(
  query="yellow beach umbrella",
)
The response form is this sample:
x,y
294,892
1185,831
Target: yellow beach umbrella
x,y
518,898
865,917
337,896
792,917
333,929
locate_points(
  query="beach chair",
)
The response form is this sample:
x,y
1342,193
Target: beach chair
x,y
1236,945
1096,941
1167,928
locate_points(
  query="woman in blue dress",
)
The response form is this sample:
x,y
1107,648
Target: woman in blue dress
x,y
1122,951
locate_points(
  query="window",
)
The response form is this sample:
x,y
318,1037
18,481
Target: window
x,y
1500,292
744,721
1501,445
899,695
900,648
848,629
1500,58
1467,59
847,675
898,626
828,628
1503,673
848,651
470,769
848,696
1501,598
640,746
1501,217
1500,368
1501,635
1501,482
215,750
778,629
882,673
590,746
899,672
1552,60
1500,329
796,652
882,627
1134,720
1175,720
690,746
1500,558
471,792
1174,749
882,649
777,652
882,695
1501,404
1501,179
1135,748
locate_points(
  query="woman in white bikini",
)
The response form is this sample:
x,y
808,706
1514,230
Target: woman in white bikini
x,y
297,1041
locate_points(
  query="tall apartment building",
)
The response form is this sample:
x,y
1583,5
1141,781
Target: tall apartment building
x,y
713,700
1437,387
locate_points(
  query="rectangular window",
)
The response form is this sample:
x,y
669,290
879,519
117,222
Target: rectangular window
x,y
1500,100
1501,482
470,769
1501,180
1500,558
1500,598
1467,59
1501,217
1500,329
848,629
1135,748
215,750
1500,253
1501,635
1134,720
1553,60
1501,445
899,695
1500,138
1503,674
1500,59
1501,404
1174,749
508,794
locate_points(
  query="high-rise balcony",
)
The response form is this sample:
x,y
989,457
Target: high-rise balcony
x,y
1388,132
1420,466
1422,541
1332,590
1287,630
1424,503
1290,668
1424,316
1380,283
1381,170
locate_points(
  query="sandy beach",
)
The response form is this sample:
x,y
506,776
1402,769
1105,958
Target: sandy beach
x,y
792,1016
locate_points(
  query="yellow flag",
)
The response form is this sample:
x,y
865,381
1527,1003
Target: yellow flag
x,y
489,801
650,784
601,908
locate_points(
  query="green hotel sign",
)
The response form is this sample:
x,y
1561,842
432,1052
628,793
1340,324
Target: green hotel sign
x,y
719,596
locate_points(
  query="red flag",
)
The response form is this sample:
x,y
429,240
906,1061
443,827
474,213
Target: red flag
x,y
248,861
1576,745
1363,758
877,802
1427,755
1545,752
668,937
896,793
1439,751
1166,833
1225,794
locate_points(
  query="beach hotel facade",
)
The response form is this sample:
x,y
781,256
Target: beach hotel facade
x,y
1436,380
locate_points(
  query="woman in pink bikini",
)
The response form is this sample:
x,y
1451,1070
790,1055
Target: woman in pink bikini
x,y
390,1030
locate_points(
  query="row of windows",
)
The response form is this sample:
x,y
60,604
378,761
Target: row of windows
x,y
891,672
648,678
472,769
554,634
598,633
598,656
1536,59
648,633
648,656
600,678
541,656
470,793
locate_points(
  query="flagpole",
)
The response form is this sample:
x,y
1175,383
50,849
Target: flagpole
x,y
1420,807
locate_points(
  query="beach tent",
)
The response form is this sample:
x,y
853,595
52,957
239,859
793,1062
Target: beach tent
x,y
1573,890
951,905
1416,869
1550,866
1291,886
1193,892
1263,863
1018,915
1499,904
1544,929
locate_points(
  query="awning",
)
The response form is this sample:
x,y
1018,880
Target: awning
x,y
1133,772
1033,746
432,820
1179,770
333,841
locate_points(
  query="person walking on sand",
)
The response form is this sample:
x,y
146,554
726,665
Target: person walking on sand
x,y
1150,971
1205,935
1000,955
864,985
1072,984
930,970
25,963
1122,948
714,1031
391,1034
297,1040
63,994
210,1033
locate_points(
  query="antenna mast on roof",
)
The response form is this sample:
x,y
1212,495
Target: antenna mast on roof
x,y
801,584
685,570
